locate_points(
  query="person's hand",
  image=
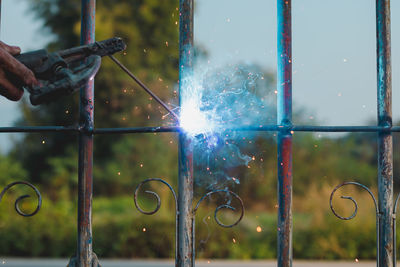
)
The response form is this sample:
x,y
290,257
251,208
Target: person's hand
x,y
12,89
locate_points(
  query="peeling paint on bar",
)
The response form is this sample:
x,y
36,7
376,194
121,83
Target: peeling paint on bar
x,y
385,141
84,254
185,250
284,119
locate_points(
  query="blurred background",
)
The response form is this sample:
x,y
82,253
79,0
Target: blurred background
x,y
334,83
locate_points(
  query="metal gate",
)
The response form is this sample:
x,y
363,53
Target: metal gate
x,y
185,208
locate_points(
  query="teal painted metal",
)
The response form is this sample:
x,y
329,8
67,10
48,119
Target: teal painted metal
x,y
385,208
284,119
185,250
385,140
85,256
169,129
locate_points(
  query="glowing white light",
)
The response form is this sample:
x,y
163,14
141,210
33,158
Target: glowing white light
x,y
214,100
192,119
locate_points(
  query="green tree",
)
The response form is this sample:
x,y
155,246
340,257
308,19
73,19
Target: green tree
x,y
150,29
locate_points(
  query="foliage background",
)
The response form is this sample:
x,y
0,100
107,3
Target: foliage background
x,y
150,29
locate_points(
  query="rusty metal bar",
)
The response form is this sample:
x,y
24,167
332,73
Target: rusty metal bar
x,y
185,250
85,256
385,141
0,14
284,118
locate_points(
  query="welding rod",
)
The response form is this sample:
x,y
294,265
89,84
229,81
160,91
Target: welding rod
x,y
143,86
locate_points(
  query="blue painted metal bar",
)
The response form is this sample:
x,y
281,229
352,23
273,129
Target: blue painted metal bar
x,y
385,141
161,129
38,129
171,129
0,12
261,128
284,118
185,250
85,256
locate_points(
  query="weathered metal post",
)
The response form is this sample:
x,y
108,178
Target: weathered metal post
x,y
0,13
284,118
385,142
84,255
185,255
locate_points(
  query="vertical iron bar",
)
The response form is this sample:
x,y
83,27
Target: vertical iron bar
x,y
0,14
85,176
394,240
385,142
378,221
284,117
185,235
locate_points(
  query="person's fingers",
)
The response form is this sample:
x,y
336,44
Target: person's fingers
x,y
28,77
13,50
9,90
10,64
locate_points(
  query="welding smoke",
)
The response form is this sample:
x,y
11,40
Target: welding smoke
x,y
215,101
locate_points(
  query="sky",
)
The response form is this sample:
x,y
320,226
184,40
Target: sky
x,y
334,51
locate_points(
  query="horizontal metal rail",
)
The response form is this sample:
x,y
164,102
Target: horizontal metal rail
x,y
37,129
169,129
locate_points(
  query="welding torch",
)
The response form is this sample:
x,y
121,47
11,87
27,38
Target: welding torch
x,y
64,72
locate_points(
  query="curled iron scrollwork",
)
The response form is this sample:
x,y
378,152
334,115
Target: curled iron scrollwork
x,y
17,201
223,206
352,199
377,214
154,194
157,197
